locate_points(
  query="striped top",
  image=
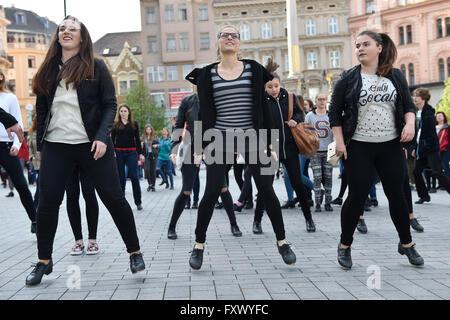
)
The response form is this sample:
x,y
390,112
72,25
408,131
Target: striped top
x,y
233,100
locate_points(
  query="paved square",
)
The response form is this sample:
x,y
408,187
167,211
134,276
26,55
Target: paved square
x,y
248,267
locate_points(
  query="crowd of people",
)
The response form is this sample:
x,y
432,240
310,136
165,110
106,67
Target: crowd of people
x,y
80,138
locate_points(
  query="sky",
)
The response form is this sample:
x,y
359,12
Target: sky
x,y
99,16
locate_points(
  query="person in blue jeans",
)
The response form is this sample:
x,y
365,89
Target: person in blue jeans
x,y
164,158
127,144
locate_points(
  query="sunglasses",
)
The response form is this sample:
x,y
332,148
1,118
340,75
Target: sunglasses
x,y
225,35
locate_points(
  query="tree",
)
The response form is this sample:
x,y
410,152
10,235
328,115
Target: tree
x,y
144,109
444,104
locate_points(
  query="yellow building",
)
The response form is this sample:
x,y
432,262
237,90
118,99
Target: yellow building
x,y
28,38
4,64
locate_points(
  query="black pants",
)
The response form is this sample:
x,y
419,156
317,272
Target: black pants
x,y
73,203
15,172
58,160
214,184
150,169
362,161
434,161
238,169
246,191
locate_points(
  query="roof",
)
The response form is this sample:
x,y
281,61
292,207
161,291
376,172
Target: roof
x,y
115,41
33,22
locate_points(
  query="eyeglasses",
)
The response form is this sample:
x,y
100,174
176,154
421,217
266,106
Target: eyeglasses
x,y
321,99
71,29
225,35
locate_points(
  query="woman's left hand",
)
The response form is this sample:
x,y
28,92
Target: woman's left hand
x,y
100,149
407,133
142,158
292,123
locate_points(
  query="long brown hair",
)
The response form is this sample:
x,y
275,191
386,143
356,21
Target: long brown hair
x,y
145,136
3,86
272,66
118,124
74,70
388,55
33,125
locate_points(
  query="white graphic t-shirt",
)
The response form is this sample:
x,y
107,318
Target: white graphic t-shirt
x,y
378,124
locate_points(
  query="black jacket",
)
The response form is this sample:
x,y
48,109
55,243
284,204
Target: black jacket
x,y
6,119
207,110
187,114
344,101
428,140
97,100
127,137
279,109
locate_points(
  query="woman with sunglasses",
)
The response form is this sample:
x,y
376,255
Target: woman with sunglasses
x,y
75,107
232,96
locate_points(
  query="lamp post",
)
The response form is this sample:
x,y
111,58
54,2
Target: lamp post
x,y
65,14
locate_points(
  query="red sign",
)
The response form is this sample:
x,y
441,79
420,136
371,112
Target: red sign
x,y
176,97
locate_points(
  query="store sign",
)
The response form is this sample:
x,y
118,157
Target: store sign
x,y
176,97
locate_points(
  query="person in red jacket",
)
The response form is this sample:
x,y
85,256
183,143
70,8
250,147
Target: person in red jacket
x,y
443,133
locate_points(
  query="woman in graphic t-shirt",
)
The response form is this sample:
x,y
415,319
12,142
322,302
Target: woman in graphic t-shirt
x,y
371,113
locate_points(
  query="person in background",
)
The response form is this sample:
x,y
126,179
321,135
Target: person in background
x,y
443,133
164,158
35,157
150,147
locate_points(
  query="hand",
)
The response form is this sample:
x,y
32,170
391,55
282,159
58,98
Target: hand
x,y
100,149
173,157
17,130
13,151
38,155
341,150
408,132
141,158
154,146
292,123
413,153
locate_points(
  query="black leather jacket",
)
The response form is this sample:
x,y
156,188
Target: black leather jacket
x,y
97,100
343,109
187,114
279,109
428,140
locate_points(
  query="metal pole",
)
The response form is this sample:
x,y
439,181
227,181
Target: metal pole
x,y
65,14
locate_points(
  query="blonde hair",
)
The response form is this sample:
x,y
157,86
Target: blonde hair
x,y
3,86
219,56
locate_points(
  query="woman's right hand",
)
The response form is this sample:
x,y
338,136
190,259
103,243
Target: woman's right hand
x,y
341,150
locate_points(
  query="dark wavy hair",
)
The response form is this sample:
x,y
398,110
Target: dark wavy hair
x,y
445,117
74,70
272,66
388,55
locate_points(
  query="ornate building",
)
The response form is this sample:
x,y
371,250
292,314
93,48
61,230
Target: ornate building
x,y
322,31
421,31
177,36
122,53
28,38
4,64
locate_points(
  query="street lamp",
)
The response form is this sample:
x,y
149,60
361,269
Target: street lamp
x,y
65,14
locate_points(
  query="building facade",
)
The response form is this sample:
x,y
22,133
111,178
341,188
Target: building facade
x,y
122,53
421,31
4,64
323,33
28,39
177,36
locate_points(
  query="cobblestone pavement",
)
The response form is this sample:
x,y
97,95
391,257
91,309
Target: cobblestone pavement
x,y
248,267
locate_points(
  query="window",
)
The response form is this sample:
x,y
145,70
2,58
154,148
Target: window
x,y
182,12
127,63
204,41
334,59
408,34
203,12
106,51
184,41
401,35
265,11
20,18
266,31
286,62
447,27
158,99
171,42
169,13
155,74
123,88
245,32
310,27
30,87
403,69
12,85
11,60
370,6
152,45
187,68
441,70
133,84
411,74
439,32
151,15
312,60
244,13
31,62
172,73
332,26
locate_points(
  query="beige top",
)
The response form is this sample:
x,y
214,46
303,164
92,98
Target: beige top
x,y
66,124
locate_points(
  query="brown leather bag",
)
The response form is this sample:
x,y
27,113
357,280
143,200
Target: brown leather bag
x,y
305,135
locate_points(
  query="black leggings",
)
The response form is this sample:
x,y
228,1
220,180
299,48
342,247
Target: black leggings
x,y
214,184
150,169
58,160
362,161
73,205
